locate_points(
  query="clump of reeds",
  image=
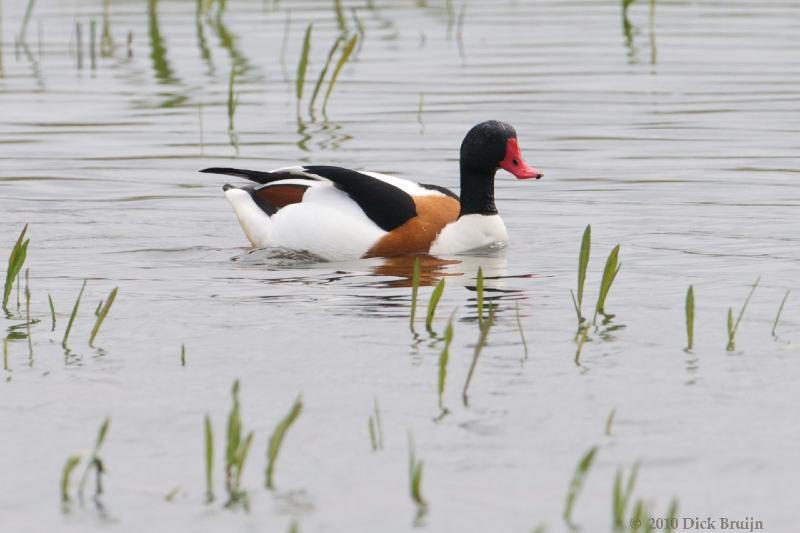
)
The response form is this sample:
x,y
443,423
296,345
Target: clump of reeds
x,y
734,326
15,262
236,451
622,494
94,462
277,437
578,480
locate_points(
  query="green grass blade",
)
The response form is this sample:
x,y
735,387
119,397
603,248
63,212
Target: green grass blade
x,y
302,65
324,72
73,315
578,479
610,421
183,355
479,290
209,449
415,470
101,434
276,439
734,326
373,437
484,334
66,474
52,311
672,516
232,99
234,429
25,19
521,332
690,317
15,261
580,338
583,264
241,457
348,49
780,310
340,20
436,295
101,316
444,357
609,275
414,291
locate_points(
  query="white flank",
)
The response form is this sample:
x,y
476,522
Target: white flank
x,y
470,232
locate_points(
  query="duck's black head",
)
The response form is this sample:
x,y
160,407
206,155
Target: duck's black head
x,y
489,146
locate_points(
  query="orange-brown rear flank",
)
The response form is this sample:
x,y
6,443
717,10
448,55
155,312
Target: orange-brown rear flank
x,y
418,233
282,195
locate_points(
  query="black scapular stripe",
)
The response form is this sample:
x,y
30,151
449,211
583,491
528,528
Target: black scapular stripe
x,y
388,206
253,175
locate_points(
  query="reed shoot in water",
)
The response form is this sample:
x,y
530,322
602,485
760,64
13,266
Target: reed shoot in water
x,y
444,357
734,326
323,73
578,479
102,313
277,437
95,462
609,275
610,421
236,450
52,311
780,310
376,428
415,469
340,20
302,65
348,49
15,262
622,494
436,295
485,326
479,291
66,474
209,456
690,317
521,332
414,292
672,516
583,263
73,315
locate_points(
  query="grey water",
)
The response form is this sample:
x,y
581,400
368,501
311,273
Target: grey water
x,y
674,131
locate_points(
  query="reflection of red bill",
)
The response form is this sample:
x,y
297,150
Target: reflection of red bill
x,y
514,163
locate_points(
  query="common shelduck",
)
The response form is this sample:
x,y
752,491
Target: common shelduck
x,y
339,214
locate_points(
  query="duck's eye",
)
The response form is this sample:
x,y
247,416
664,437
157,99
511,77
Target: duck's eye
x,y
515,162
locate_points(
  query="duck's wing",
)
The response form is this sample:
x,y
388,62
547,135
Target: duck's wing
x,y
386,200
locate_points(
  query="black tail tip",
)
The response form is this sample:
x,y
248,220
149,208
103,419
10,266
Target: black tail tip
x,y
228,186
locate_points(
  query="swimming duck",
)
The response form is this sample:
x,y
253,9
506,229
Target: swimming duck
x,y
339,214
